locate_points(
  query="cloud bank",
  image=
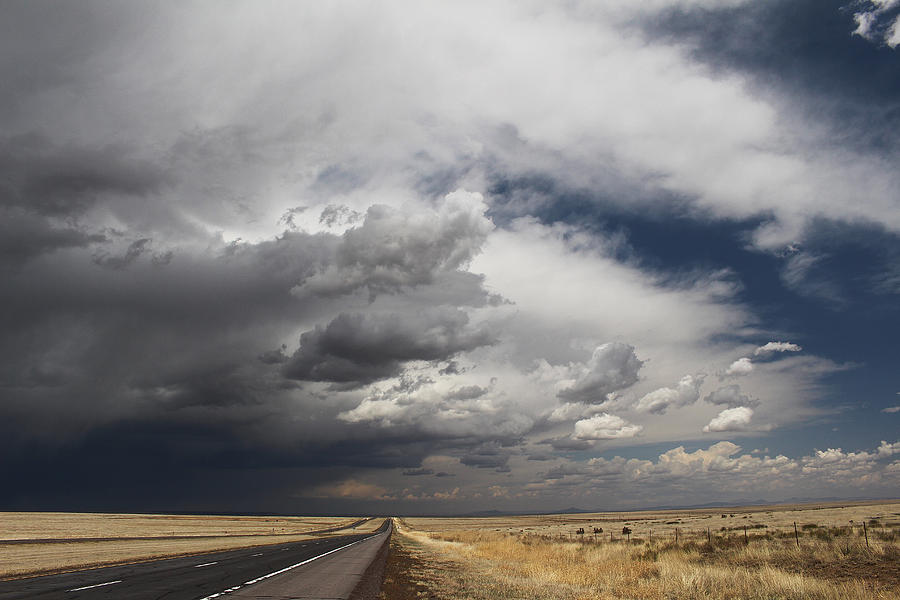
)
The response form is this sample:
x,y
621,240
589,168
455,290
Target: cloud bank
x,y
390,246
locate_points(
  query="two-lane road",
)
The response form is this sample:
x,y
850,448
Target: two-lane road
x,y
197,577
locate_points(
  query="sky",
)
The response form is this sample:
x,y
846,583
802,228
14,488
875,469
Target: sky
x,y
444,257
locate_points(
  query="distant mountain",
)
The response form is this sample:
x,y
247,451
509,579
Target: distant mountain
x,y
569,511
512,513
491,513
740,502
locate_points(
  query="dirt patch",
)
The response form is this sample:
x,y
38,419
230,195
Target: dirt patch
x,y
876,572
402,580
428,571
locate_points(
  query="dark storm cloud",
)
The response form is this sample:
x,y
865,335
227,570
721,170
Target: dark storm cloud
x,y
158,357
540,457
393,249
273,357
564,470
487,457
730,396
204,292
94,346
151,301
360,348
613,366
417,472
137,463
134,250
46,189
44,45
55,180
24,235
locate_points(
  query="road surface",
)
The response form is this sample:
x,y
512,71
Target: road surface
x,y
291,570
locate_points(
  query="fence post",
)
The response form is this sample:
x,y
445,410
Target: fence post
x,y
708,538
651,536
676,536
746,539
866,532
796,535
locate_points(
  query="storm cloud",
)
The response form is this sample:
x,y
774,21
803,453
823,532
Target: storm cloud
x,y
361,348
315,275
612,366
393,249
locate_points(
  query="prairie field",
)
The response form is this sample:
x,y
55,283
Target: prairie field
x,y
838,551
40,543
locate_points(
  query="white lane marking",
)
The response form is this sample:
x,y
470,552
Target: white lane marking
x,y
274,573
206,564
87,587
294,566
258,554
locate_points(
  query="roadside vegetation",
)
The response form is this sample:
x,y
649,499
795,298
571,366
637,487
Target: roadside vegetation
x,y
815,562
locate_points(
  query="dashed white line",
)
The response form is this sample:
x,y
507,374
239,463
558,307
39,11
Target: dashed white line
x,y
257,554
87,587
274,573
206,564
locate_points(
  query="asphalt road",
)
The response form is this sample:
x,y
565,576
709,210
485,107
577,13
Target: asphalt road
x,y
189,578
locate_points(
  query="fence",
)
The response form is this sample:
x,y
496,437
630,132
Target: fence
x,y
742,533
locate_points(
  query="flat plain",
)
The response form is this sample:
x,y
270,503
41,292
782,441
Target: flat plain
x,y
41,543
837,551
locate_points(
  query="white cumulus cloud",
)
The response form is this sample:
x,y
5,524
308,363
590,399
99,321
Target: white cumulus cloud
x,y
730,419
686,392
605,427
772,347
742,366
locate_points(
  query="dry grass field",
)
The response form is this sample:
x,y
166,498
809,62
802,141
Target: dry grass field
x,y
828,558
39,543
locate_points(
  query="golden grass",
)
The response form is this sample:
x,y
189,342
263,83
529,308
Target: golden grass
x,y
170,535
30,525
533,556
417,569
689,522
33,559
